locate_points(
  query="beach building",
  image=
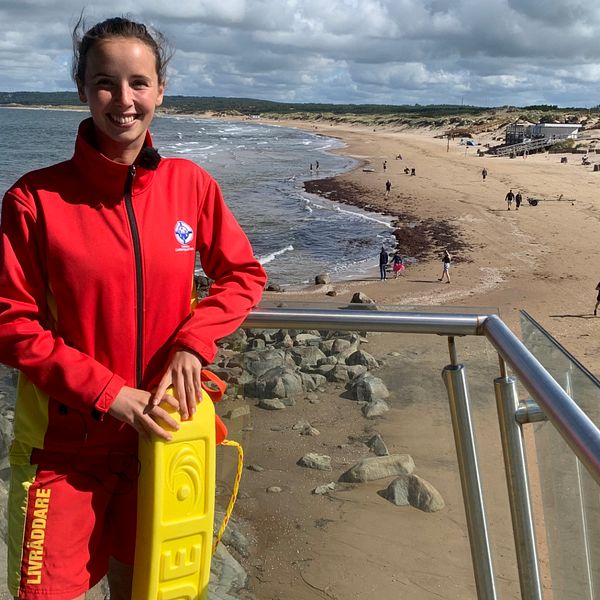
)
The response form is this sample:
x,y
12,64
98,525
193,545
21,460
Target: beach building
x,y
524,131
555,131
517,133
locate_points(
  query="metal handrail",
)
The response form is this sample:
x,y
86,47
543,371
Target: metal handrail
x,y
571,422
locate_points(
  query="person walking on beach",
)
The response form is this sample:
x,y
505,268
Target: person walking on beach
x,y
93,332
518,200
509,199
397,264
384,166
383,261
317,166
446,260
388,187
597,300
483,173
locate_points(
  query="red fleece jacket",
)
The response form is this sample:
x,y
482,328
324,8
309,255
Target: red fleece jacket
x,y
96,281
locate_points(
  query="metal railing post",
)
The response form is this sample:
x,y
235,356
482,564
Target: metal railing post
x,y
464,439
517,482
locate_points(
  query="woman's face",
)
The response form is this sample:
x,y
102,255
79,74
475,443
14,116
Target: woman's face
x,y
122,91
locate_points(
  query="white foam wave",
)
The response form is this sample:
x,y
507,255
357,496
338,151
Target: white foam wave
x,y
271,257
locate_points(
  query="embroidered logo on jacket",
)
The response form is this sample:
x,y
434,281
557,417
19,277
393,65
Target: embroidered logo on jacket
x,y
184,234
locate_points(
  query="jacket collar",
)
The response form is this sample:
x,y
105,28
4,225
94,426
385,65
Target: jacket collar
x,y
106,177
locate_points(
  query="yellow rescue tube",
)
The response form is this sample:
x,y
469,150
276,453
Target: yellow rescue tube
x,y
175,510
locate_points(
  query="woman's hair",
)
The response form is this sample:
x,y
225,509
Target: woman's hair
x,y
84,41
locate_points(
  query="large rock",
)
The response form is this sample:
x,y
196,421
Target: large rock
x,y
232,536
227,576
279,382
360,357
258,362
379,467
312,460
306,356
412,489
322,279
377,445
368,388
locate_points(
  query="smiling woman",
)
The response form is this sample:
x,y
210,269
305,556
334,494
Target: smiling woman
x,y
97,267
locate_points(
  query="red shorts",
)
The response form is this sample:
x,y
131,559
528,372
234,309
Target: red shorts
x,y
67,517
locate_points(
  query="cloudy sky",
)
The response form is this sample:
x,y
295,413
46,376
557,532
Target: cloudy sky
x,y
483,52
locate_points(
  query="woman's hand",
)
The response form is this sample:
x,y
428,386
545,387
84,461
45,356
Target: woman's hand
x,y
183,373
135,407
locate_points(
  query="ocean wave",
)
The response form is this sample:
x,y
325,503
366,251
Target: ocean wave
x,y
271,257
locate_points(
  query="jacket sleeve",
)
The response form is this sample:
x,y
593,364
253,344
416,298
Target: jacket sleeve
x,y
238,278
27,341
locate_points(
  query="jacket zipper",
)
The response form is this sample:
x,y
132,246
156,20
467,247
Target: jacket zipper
x,y
139,281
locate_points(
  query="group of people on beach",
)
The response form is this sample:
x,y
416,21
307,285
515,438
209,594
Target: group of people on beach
x,y
398,265
384,260
512,197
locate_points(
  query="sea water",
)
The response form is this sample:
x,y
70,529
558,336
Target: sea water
x,y
260,168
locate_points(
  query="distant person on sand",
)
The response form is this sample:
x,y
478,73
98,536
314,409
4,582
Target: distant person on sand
x,y
397,264
384,165
383,261
388,187
518,200
509,199
317,166
597,300
484,173
446,260
399,157
310,168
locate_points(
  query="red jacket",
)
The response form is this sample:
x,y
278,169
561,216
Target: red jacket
x,y
95,287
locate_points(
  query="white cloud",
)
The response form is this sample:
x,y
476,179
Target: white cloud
x,y
496,51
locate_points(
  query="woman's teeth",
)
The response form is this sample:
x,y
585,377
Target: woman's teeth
x,y
123,120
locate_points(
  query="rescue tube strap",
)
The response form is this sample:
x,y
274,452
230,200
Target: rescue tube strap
x,y
234,491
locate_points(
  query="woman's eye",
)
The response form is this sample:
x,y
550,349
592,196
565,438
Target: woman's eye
x,y
140,84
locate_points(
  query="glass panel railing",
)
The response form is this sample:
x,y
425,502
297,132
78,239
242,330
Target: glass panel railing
x,y
568,513
347,540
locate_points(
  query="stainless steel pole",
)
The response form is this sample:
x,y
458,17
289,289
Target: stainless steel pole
x,y
464,439
517,481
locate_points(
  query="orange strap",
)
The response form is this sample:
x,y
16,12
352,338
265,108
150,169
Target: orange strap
x,y
215,387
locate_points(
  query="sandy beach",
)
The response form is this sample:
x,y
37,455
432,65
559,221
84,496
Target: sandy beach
x,y
352,543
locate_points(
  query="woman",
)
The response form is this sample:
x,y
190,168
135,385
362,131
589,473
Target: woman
x,y
397,264
98,257
446,260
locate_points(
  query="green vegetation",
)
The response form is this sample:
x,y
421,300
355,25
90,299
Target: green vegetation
x,y
451,117
250,106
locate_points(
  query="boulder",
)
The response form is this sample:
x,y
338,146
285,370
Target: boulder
x,y
322,279
377,446
379,467
280,382
312,460
307,356
412,489
271,404
360,357
368,388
